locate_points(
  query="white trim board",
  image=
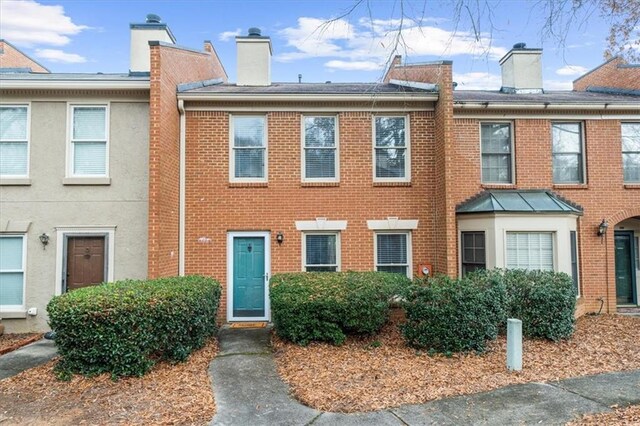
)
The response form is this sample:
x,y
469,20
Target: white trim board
x,y
392,223
321,224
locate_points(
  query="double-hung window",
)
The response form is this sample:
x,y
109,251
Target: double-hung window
x,y
530,250
496,151
473,252
568,163
320,154
393,252
249,148
321,252
89,150
392,159
14,141
12,260
631,152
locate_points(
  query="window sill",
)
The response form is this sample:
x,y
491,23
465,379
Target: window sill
x,y
248,184
499,186
391,183
632,185
15,181
13,314
318,184
570,186
86,181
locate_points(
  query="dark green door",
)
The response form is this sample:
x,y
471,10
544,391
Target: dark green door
x,y
248,277
625,274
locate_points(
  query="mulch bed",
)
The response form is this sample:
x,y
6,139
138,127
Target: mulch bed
x,y
621,416
380,372
169,394
12,341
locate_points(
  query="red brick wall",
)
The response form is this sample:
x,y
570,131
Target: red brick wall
x,y
169,67
610,74
215,207
13,58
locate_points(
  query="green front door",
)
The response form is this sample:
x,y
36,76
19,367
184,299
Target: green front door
x,y
625,277
248,277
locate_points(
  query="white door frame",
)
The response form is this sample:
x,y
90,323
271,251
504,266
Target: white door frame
x,y
267,269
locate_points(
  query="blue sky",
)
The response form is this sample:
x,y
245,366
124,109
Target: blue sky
x,y
93,36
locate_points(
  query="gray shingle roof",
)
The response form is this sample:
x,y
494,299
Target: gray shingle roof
x,y
309,88
513,201
556,97
73,76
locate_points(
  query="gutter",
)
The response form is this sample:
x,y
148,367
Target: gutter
x,y
311,97
181,214
545,106
75,84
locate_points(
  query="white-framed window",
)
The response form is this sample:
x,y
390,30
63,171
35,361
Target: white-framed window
x,y
89,141
320,153
393,252
321,251
391,149
249,158
568,159
530,250
631,152
496,149
13,253
14,141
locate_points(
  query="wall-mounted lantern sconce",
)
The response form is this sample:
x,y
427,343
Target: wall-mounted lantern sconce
x,y
602,228
44,239
279,237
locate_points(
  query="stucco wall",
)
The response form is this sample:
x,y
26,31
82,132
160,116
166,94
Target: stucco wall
x,y
48,204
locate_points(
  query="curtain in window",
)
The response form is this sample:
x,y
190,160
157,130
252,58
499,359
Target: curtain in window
x,y
321,253
392,253
11,271
320,147
530,250
390,147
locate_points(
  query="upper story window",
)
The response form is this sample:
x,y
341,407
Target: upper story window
x,y
496,151
89,150
320,156
249,148
321,252
392,159
568,162
12,260
631,152
393,252
14,141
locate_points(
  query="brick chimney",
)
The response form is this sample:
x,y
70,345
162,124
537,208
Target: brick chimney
x,y
522,70
254,59
141,34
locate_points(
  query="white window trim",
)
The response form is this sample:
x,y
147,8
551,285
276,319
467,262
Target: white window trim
x,y
632,182
338,249
554,244
70,141
28,139
583,157
321,224
303,151
18,308
579,277
512,153
62,232
409,249
232,157
407,142
392,223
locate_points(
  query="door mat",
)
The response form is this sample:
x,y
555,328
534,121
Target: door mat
x,y
248,325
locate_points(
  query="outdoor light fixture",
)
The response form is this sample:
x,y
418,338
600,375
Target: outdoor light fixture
x,y
44,239
602,228
279,237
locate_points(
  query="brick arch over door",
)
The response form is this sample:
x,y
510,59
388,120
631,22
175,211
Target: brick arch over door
x,y
624,214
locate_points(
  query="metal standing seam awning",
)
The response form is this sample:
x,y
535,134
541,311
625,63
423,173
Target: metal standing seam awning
x,y
514,201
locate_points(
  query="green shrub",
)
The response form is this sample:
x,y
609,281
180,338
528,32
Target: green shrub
x,y
544,301
447,315
124,327
321,306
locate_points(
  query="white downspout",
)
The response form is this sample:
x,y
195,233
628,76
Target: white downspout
x,y
183,162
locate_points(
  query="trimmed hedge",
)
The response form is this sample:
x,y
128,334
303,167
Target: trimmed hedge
x,y
322,306
124,327
447,315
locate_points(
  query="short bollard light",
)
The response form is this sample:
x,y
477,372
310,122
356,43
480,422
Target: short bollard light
x,y
514,344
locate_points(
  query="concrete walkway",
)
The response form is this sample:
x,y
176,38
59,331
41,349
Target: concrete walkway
x,y
26,357
248,391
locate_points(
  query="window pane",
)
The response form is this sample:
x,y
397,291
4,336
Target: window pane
x,y
320,163
11,288
13,123
631,137
321,249
496,168
89,123
390,163
473,252
567,168
319,132
13,158
322,268
392,248
90,158
249,163
631,165
532,250
390,131
496,138
566,137
11,253
248,131
393,269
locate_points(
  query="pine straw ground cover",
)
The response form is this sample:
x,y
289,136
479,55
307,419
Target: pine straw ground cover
x,y
169,394
381,371
621,416
12,341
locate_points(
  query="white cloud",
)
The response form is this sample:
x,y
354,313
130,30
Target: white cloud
x,y
29,23
56,55
558,85
353,65
571,70
228,35
477,81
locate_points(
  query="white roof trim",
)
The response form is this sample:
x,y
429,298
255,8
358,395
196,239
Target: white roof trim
x,y
392,223
321,224
75,84
399,97
414,84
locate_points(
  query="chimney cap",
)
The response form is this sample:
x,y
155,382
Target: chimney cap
x,y
520,45
255,32
152,18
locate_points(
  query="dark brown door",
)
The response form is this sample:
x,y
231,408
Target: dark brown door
x,y
85,261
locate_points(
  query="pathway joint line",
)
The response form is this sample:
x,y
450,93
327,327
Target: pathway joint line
x,y
558,386
313,420
393,413
243,353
